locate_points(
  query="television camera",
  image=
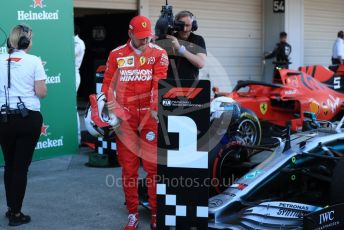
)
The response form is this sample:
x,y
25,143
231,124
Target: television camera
x,y
166,23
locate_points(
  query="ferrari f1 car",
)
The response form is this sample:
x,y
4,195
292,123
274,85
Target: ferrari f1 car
x,y
299,185
314,89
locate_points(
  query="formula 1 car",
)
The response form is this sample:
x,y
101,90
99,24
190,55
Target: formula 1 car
x,y
299,185
313,88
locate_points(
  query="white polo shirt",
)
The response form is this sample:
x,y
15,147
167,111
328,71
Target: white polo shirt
x,y
338,48
79,48
25,70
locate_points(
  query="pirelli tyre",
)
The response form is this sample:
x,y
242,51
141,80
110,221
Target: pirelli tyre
x,y
226,164
249,127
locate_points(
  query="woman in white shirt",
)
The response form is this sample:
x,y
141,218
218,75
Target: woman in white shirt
x,y
22,83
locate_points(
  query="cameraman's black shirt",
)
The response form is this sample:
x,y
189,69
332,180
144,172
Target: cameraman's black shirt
x,y
186,70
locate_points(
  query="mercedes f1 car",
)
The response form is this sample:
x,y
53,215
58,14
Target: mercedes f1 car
x,y
299,185
314,89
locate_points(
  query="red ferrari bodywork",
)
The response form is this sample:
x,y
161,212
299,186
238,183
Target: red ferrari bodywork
x,y
291,94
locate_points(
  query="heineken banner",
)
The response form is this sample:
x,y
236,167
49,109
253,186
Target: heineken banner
x,y
52,26
182,194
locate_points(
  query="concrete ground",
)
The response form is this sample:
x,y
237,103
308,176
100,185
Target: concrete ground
x,y
63,193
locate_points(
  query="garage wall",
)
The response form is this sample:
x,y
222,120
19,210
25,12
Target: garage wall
x,y
107,4
232,30
323,19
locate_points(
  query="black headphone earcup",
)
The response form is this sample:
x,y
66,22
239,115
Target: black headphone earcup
x,y
23,43
194,26
9,46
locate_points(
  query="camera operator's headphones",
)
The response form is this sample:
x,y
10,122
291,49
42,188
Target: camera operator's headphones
x,y
24,40
194,25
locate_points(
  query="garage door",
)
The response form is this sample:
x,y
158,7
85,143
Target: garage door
x,y
232,30
323,19
107,4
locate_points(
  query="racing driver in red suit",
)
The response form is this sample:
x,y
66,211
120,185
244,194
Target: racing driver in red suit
x,y
131,86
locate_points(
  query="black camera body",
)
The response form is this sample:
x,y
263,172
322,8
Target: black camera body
x,y
166,23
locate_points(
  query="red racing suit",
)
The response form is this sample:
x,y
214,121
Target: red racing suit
x,y
134,79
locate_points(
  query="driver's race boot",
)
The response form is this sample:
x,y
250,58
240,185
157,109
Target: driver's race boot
x,y
133,222
153,222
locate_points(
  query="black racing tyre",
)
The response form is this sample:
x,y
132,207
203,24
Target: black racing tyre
x,y
249,127
221,160
337,184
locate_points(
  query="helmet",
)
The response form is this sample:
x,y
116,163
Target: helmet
x,y
225,112
223,106
98,122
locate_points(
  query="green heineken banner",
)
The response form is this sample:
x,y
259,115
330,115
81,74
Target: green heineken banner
x,y
52,25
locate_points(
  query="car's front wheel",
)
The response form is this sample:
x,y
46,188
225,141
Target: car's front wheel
x,y
249,127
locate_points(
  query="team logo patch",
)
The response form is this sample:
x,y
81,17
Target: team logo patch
x,y
144,24
125,62
151,60
130,61
120,62
150,136
263,108
254,174
325,108
164,60
142,60
314,107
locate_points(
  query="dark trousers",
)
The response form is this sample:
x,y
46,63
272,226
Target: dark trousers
x,y
18,139
335,61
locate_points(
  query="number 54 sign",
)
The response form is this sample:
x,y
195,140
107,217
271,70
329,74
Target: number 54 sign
x,y
279,6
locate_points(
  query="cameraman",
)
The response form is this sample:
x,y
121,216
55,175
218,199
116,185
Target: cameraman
x,y
187,51
22,83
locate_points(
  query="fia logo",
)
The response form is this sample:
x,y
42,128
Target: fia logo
x,y
167,102
325,217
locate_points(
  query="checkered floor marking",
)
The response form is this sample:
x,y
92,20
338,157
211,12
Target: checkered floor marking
x,y
171,200
202,211
161,189
170,220
180,210
104,147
